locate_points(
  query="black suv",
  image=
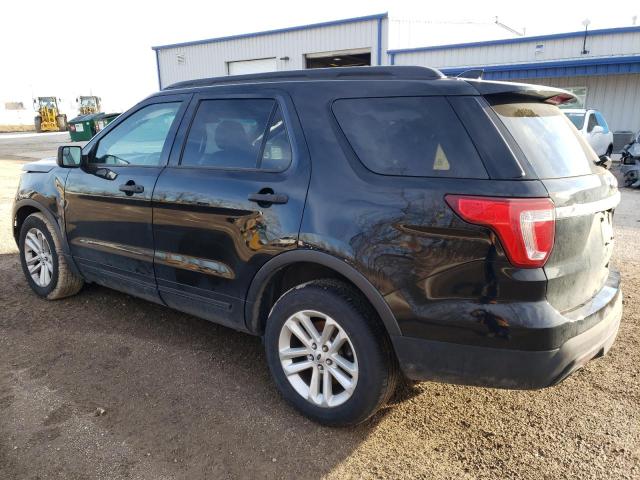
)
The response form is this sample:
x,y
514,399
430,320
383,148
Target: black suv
x,y
369,223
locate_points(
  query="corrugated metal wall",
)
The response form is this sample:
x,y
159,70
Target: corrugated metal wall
x,y
616,96
523,51
209,59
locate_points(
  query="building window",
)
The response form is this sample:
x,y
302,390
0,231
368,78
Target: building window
x,y
581,97
14,106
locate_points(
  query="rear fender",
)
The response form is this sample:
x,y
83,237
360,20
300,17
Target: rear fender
x,y
256,289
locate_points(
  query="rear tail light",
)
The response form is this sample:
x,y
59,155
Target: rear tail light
x,y
525,226
560,99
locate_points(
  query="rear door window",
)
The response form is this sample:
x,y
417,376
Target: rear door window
x,y
409,136
238,134
276,154
546,137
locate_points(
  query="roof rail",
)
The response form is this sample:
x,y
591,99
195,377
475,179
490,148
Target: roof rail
x,y
400,72
472,73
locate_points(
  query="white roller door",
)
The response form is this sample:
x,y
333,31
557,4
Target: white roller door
x,y
252,66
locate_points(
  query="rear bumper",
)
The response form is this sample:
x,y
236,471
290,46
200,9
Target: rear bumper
x,y
422,359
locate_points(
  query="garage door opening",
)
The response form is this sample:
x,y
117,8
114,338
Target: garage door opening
x,y
347,58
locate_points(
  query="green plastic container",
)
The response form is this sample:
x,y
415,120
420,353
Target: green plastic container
x,y
104,119
83,127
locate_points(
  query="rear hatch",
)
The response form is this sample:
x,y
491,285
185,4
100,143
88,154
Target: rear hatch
x,y
584,195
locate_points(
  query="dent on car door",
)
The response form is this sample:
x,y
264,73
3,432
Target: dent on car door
x,y
108,201
230,202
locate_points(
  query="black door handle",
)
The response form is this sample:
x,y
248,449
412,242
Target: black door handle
x,y
268,198
130,188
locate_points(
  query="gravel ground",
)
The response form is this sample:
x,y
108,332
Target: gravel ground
x,y
184,398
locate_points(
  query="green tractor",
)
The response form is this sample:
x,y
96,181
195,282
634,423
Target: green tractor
x,y
49,118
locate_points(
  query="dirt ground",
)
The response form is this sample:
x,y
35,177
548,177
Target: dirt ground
x,y
184,398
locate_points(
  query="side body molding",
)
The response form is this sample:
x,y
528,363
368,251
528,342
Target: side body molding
x,y
256,290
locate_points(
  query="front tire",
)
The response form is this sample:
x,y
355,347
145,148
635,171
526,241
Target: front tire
x,y
329,354
43,263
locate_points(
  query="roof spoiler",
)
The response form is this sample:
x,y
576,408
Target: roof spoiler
x,y
540,93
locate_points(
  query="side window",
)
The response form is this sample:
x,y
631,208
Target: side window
x,y
276,154
602,122
138,140
409,136
592,122
228,133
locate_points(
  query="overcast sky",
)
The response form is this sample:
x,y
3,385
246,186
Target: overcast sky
x,y
69,48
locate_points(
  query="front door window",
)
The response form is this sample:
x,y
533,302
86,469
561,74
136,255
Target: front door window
x,y
138,140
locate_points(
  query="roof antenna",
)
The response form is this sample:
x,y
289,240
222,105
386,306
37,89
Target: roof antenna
x,y
474,73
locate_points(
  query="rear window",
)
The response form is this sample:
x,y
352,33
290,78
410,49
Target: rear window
x,y
409,136
552,146
576,118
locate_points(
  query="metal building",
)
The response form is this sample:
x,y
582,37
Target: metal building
x,y
354,41
602,66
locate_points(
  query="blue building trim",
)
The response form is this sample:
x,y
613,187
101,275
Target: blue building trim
x,y
564,68
507,41
158,69
379,17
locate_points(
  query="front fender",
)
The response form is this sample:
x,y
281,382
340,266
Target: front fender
x,y
43,192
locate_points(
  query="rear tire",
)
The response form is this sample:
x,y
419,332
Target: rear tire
x,y
40,249
37,121
355,359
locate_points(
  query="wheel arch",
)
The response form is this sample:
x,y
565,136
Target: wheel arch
x,y
256,312
25,207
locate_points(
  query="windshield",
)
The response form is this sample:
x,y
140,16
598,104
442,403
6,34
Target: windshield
x,y
552,146
576,118
47,102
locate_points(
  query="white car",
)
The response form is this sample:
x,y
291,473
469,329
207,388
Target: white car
x,y
593,128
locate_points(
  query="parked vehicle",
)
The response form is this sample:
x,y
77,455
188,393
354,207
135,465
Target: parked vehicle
x,y
630,162
368,223
592,125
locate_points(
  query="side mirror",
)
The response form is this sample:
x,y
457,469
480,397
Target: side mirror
x,y
604,161
69,156
597,129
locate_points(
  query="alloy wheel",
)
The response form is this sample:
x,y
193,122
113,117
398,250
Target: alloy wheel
x,y
38,257
318,358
